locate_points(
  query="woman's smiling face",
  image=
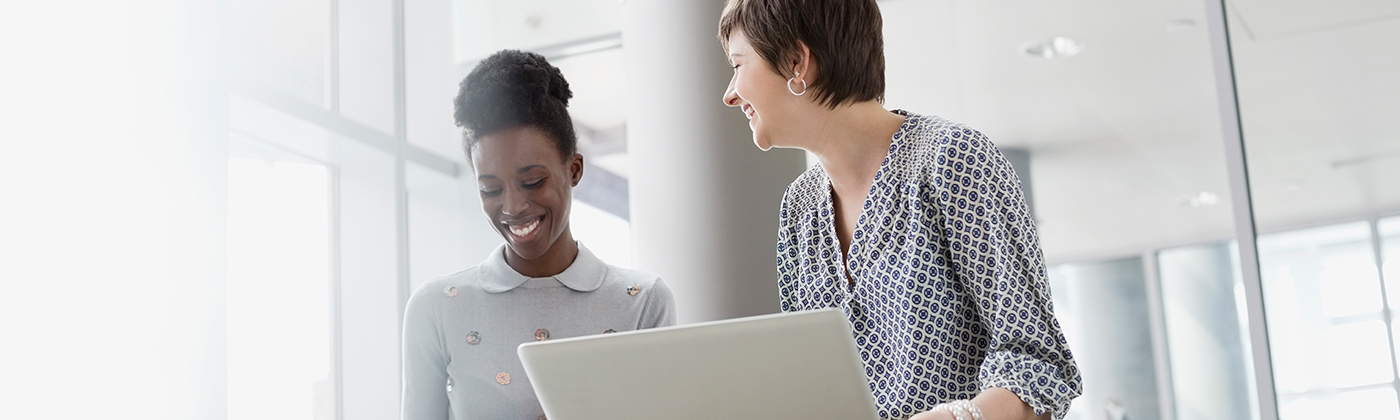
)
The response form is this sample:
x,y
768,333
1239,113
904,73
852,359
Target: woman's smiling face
x,y
526,188
759,92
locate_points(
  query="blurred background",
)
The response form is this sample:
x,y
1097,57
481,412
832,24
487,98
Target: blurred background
x,y
219,209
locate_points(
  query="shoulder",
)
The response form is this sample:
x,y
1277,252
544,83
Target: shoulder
x,y
933,151
651,284
806,192
449,286
807,188
924,138
629,276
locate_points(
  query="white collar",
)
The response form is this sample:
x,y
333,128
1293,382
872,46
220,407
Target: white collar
x,y
585,274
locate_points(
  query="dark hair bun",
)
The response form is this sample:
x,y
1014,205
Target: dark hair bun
x,y
514,88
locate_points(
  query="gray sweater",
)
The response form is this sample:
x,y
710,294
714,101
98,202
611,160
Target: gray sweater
x,y
461,331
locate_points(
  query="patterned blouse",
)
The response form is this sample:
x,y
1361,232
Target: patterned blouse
x,y
950,295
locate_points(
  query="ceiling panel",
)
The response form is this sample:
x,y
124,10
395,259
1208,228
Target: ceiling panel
x,y
1264,19
486,26
1121,135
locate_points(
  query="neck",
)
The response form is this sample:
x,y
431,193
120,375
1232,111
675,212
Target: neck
x,y
851,141
555,260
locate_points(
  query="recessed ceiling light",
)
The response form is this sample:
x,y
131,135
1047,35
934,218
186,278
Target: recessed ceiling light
x,y
1181,25
1201,199
1294,184
1056,47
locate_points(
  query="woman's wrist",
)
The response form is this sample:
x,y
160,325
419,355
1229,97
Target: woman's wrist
x,y
961,410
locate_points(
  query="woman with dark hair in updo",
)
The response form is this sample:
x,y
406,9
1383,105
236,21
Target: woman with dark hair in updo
x,y
461,331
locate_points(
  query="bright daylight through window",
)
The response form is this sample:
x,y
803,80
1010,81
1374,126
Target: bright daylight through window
x,y
279,291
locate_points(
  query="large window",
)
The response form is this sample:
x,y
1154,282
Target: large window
x,y
1330,337
1327,328
1332,329
356,197
280,351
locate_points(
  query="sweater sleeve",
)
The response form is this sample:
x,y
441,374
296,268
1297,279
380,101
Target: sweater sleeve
x,y
424,361
660,310
996,256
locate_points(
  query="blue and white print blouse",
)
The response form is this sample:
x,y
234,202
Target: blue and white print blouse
x,y
949,293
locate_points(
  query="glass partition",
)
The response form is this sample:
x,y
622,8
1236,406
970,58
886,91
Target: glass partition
x,y
1318,87
1203,309
1112,122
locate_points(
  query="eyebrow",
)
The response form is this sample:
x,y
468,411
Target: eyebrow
x,y
519,171
732,56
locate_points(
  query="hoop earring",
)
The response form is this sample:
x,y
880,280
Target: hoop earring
x,y
795,77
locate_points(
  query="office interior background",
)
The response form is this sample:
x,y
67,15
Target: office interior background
x,y
219,209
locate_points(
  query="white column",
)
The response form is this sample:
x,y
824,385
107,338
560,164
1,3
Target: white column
x,y
704,199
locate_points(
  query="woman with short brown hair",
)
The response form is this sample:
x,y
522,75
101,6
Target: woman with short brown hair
x,y
914,225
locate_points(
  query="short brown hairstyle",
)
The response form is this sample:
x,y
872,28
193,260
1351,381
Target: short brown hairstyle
x,y
844,37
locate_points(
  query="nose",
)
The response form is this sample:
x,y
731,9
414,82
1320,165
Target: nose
x,y
514,203
731,95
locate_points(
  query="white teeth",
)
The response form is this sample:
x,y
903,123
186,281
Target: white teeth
x,y
525,229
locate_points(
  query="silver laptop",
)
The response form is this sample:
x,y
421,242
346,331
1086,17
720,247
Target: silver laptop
x,y
800,365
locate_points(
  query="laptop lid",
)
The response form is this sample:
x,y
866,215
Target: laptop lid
x,y
798,365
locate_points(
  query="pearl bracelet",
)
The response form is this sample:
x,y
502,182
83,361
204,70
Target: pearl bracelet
x,y
961,409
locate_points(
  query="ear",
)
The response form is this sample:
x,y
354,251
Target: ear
x,y
576,168
802,61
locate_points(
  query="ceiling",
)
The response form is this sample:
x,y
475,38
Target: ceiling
x,y
1320,103
1123,135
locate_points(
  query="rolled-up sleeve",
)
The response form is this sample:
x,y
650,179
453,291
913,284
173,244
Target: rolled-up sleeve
x,y
996,255
424,362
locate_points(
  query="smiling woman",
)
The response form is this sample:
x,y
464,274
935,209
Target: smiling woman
x,y
913,225
461,331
